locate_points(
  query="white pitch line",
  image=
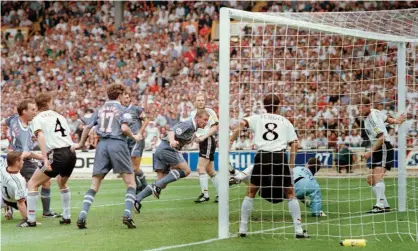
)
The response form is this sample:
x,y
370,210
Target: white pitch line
x,y
184,245
256,232
118,204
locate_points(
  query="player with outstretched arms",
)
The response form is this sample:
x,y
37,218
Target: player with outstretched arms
x,y
13,184
381,153
53,134
21,135
207,146
136,148
112,126
271,174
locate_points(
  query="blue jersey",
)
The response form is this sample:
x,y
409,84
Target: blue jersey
x,y
184,133
109,119
138,115
21,136
301,171
87,119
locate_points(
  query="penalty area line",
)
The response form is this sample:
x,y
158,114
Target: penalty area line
x,y
184,245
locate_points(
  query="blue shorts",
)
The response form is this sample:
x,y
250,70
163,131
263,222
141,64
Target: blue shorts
x,y
112,154
165,157
136,148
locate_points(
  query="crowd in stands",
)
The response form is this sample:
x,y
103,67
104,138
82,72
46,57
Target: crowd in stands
x,y
164,53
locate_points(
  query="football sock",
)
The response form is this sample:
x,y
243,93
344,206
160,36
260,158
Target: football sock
x,y
32,199
46,200
142,179
294,210
129,201
138,181
144,193
380,194
65,199
203,180
174,175
246,209
215,182
88,200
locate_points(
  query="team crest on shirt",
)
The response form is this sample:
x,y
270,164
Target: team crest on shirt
x,y
179,131
127,116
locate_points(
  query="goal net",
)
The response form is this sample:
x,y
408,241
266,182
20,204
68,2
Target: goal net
x,y
323,66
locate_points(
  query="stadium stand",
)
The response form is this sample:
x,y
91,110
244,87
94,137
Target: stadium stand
x,y
165,52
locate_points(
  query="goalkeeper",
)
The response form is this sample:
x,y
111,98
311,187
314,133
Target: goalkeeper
x,y
304,182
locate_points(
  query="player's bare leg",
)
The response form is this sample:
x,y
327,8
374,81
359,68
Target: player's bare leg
x,y
65,200
294,210
203,180
129,180
247,208
38,178
210,170
376,180
96,181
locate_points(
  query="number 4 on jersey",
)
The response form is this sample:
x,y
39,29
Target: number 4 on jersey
x,y
59,128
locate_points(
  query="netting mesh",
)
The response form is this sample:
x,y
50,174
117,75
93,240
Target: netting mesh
x,y
321,78
402,23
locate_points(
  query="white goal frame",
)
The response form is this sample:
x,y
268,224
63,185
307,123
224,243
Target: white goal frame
x,y
226,14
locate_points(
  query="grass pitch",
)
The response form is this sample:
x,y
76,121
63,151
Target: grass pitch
x,y
175,220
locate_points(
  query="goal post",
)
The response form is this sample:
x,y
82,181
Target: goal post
x,y
372,27
224,47
402,128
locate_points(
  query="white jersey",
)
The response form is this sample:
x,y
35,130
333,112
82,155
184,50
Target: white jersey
x,y
272,132
375,125
13,185
213,120
55,128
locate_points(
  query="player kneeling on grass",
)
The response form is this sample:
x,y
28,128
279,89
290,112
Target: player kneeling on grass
x,y
168,161
306,185
13,186
271,174
304,182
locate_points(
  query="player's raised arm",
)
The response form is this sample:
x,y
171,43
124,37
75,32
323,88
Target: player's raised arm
x,y
396,121
32,155
86,130
144,125
213,129
241,126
